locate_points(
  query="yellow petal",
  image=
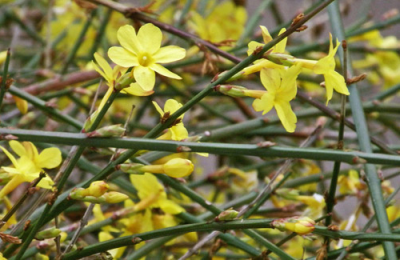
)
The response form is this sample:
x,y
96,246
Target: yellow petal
x,y
45,183
324,65
122,57
253,46
265,34
163,71
104,66
280,47
146,185
98,69
31,151
288,89
127,38
170,207
271,80
339,83
18,148
150,38
22,105
172,106
169,54
158,108
135,90
49,158
145,77
265,103
286,115
179,132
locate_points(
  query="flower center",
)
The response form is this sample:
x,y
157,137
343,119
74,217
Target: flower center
x,y
145,60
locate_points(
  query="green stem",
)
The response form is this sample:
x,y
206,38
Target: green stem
x,y
177,230
4,78
215,148
42,105
387,93
78,42
364,140
100,33
222,226
61,203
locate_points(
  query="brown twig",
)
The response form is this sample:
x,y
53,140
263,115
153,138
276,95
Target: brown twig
x,y
58,83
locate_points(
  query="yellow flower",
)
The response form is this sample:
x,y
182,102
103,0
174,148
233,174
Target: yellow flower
x,y
281,87
264,63
225,22
114,76
178,131
152,194
350,184
142,51
29,165
326,66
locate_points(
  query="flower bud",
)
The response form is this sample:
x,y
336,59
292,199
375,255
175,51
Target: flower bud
x,y
231,90
226,215
131,168
90,120
96,189
299,225
107,131
48,233
114,197
178,168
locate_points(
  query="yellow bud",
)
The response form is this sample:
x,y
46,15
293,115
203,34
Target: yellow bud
x,y
178,168
299,225
115,197
96,189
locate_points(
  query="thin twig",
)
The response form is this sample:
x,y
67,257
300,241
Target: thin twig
x,y
82,224
4,78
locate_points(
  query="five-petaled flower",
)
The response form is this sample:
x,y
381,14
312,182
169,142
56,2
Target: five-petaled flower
x,y
113,76
143,52
28,167
326,66
281,89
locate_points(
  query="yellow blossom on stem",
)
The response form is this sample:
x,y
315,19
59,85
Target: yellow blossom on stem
x,y
281,86
114,76
28,167
176,168
350,184
178,131
152,194
143,51
264,63
299,225
326,66
225,22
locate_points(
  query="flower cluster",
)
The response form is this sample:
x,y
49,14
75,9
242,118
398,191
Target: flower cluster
x,y
279,72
